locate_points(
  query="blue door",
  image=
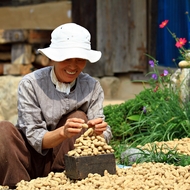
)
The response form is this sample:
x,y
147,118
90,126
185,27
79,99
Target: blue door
x,y
176,12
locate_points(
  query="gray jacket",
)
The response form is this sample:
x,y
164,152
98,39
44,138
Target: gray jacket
x,y
40,105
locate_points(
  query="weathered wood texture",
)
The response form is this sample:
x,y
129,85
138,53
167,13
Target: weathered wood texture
x,y
40,16
16,69
84,14
23,2
24,29
152,11
119,29
18,53
122,35
80,167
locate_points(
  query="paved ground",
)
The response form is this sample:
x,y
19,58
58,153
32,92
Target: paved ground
x,y
112,102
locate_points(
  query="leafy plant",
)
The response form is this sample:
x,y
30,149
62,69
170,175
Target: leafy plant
x,y
157,154
155,114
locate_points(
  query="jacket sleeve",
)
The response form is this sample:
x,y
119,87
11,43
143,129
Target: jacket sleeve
x,y
96,109
30,118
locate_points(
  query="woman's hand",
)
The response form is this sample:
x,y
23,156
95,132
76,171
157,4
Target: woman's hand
x,y
53,138
98,124
72,127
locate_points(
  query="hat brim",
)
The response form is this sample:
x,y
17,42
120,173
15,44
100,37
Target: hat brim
x,y
57,54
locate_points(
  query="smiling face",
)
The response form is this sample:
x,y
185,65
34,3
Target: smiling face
x,y
68,70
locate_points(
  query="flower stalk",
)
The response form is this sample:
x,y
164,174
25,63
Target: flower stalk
x,y
180,42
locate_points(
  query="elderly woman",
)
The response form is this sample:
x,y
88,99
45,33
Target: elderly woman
x,y
53,104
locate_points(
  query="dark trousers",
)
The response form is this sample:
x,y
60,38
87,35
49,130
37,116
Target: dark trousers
x,y
19,161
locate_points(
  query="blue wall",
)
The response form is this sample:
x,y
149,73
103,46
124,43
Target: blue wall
x,y
174,11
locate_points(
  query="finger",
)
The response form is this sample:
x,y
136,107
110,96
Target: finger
x,y
72,124
76,120
100,129
95,121
74,130
101,125
69,131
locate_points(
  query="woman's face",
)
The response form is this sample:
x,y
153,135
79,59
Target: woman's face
x,y
68,70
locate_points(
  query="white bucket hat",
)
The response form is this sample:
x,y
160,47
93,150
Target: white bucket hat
x,y
70,41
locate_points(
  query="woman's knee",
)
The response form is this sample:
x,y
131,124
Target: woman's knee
x,y
6,125
78,114
6,129
74,114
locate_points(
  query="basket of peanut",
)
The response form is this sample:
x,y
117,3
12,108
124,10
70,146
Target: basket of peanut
x,y
91,155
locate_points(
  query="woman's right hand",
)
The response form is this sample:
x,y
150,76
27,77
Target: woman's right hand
x,y
72,127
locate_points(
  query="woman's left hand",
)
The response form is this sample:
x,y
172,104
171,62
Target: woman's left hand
x,y
98,124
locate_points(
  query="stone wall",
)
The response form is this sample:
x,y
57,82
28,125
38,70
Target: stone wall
x,y
8,98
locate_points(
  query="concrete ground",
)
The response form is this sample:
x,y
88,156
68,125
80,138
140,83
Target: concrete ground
x,y
126,89
112,102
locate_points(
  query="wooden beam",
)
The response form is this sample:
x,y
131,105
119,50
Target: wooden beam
x,y
15,69
39,36
40,16
42,60
5,56
9,36
21,54
1,69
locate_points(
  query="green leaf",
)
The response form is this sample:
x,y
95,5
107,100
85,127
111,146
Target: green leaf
x,y
134,117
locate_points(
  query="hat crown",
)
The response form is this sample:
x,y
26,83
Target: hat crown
x,y
70,41
70,35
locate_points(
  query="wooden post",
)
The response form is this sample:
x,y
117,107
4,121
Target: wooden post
x,y
9,36
184,81
21,53
16,69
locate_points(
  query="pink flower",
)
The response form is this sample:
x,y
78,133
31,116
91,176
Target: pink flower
x,y
163,24
181,42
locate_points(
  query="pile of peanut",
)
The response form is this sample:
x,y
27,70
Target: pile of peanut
x,y
89,144
180,145
4,187
152,176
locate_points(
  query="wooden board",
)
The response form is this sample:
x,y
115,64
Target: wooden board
x,y
15,69
39,36
21,54
41,16
9,36
80,167
122,35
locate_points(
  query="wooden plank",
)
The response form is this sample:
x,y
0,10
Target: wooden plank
x,y
5,56
21,54
1,69
80,167
9,36
105,36
42,60
84,14
121,31
152,26
39,36
22,35
16,69
40,16
22,2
